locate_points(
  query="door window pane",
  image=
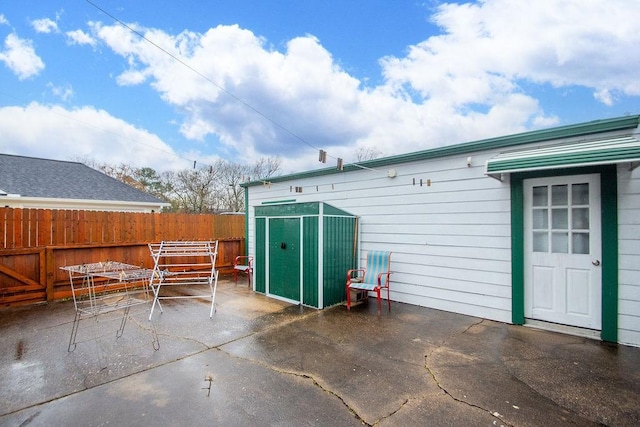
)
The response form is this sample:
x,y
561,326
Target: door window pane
x,y
540,196
560,219
580,218
580,243
580,194
541,219
559,195
560,243
540,242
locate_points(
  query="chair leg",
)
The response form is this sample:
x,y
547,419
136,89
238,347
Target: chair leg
x,y
235,275
389,298
379,300
348,298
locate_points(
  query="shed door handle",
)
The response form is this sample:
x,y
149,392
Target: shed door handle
x,y
595,262
283,245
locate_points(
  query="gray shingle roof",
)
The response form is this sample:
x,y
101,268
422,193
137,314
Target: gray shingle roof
x,y
34,177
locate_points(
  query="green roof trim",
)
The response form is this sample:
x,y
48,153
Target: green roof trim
x,y
583,153
576,130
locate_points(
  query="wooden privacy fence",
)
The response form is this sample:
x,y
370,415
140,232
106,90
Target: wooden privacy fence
x,y
35,243
30,228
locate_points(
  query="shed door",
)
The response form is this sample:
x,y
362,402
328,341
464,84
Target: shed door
x,y
284,258
563,281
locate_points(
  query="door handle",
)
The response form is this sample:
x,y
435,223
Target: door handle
x,y
283,245
595,262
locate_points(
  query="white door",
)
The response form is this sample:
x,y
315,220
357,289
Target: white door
x,y
562,245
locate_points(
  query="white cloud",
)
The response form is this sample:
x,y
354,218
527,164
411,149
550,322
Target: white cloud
x,y
83,133
45,25
468,82
79,37
64,92
3,20
488,47
20,56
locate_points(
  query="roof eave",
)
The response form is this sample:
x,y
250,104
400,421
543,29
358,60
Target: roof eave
x,y
56,203
575,130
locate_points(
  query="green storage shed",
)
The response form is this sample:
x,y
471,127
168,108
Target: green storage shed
x,y
303,252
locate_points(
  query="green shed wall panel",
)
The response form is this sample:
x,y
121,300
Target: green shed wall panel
x,y
260,261
310,261
339,256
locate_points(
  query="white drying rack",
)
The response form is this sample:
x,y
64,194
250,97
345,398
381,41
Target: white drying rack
x,y
104,287
184,263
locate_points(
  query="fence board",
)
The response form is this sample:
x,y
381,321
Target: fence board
x,y
35,243
29,228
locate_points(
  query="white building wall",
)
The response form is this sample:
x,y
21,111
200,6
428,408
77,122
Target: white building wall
x,y
629,255
450,236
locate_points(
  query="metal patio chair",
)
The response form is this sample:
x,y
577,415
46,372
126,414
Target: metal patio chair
x,y
374,277
243,264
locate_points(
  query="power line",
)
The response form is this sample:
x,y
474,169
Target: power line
x,y
221,88
204,76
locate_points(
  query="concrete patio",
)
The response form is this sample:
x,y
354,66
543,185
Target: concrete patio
x,y
260,361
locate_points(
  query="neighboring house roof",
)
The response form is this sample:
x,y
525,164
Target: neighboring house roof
x,y
30,177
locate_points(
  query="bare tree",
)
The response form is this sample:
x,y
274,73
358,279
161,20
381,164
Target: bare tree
x,y
210,188
229,192
122,172
363,154
192,190
266,167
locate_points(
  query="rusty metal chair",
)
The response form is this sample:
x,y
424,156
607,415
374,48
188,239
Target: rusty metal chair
x,y
374,278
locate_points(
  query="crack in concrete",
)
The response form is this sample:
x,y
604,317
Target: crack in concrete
x,y
300,375
443,389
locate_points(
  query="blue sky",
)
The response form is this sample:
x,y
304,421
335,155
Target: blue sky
x,y
242,80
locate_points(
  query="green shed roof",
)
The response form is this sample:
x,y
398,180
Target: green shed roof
x,y
297,209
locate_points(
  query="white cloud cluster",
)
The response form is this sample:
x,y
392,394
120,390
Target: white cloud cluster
x,y
460,85
64,92
85,133
79,37
488,47
470,81
20,56
45,25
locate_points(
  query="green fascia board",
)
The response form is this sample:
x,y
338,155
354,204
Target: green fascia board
x,y
575,130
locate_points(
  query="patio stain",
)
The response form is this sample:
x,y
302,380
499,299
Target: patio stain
x,y
19,350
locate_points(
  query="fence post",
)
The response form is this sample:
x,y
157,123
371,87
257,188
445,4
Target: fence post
x,y
46,259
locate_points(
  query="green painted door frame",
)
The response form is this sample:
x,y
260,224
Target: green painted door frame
x,y
609,206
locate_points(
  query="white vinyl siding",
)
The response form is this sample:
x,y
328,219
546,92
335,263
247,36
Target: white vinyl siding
x,y
629,255
450,239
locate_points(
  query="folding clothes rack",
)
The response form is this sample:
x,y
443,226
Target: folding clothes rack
x,y
104,287
184,263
